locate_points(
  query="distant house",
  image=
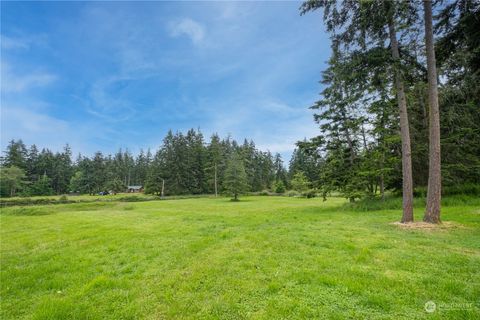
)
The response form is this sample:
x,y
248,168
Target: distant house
x,y
134,189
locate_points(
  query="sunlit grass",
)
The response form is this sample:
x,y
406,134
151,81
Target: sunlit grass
x,y
261,258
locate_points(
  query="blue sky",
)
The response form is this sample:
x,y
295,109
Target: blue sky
x,y
106,75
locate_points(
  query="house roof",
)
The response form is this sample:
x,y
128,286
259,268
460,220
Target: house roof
x,y
135,187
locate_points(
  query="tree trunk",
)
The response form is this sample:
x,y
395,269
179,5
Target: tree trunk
x,y
216,188
371,187
163,188
382,187
432,212
404,129
349,139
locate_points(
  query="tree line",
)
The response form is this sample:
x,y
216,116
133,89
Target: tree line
x,y
393,94
400,83
183,164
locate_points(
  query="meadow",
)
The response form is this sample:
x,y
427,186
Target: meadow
x,y
260,258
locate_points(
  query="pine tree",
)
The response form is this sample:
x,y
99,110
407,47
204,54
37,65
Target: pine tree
x,y
279,170
11,180
362,26
299,182
15,155
432,212
41,187
235,180
215,163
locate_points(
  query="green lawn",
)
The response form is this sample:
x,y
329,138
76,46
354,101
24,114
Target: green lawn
x,y
261,258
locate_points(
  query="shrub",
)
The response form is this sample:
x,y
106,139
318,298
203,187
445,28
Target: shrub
x,y
309,193
279,187
293,193
131,199
63,199
300,182
264,193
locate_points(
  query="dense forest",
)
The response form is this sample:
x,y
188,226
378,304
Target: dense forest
x,y
376,118
184,164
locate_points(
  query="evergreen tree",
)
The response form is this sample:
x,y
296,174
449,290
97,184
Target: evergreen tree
x,y
41,187
432,213
279,170
278,186
215,164
115,186
365,25
299,182
156,175
11,180
15,155
235,180
32,163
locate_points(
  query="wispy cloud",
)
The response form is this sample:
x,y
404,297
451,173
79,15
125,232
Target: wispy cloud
x,y
189,27
117,74
12,82
31,122
13,43
107,101
15,81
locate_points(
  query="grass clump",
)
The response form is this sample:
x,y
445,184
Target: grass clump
x,y
131,199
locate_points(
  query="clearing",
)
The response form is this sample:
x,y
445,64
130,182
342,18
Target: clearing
x,y
261,258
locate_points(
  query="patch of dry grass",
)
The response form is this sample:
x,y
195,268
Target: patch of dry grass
x,y
420,225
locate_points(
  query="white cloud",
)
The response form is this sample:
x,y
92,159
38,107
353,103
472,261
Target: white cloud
x,y
107,106
186,26
13,82
29,125
281,109
22,83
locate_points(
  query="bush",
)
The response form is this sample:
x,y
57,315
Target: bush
x,y
293,193
264,193
309,193
131,199
63,199
300,182
278,187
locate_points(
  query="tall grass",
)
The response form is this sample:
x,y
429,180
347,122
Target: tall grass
x,y
395,203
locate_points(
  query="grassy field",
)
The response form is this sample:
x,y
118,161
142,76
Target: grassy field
x,y
261,258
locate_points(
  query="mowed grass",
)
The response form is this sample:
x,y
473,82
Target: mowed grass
x,y
261,258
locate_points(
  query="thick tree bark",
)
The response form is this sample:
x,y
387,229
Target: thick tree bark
x,y
404,129
432,212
